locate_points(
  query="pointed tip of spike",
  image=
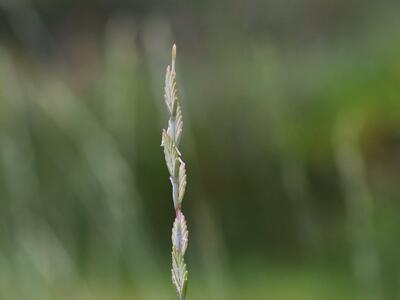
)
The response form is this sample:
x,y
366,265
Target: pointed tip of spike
x,y
174,52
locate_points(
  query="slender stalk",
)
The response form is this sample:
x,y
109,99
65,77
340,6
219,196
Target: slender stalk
x,y
177,170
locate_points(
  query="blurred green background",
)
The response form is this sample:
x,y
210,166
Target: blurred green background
x,y
291,140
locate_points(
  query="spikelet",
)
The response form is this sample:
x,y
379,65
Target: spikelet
x,y
180,234
179,245
177,171
182,182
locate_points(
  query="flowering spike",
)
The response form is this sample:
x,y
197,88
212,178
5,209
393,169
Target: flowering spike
x,y
177,171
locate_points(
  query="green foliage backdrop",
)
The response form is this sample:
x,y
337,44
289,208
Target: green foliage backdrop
x,y
291,141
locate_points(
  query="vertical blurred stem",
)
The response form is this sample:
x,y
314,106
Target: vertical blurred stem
x,y
359,205
17,151
295,180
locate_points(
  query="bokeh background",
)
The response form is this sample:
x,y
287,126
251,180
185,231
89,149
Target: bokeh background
x,y
291,139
